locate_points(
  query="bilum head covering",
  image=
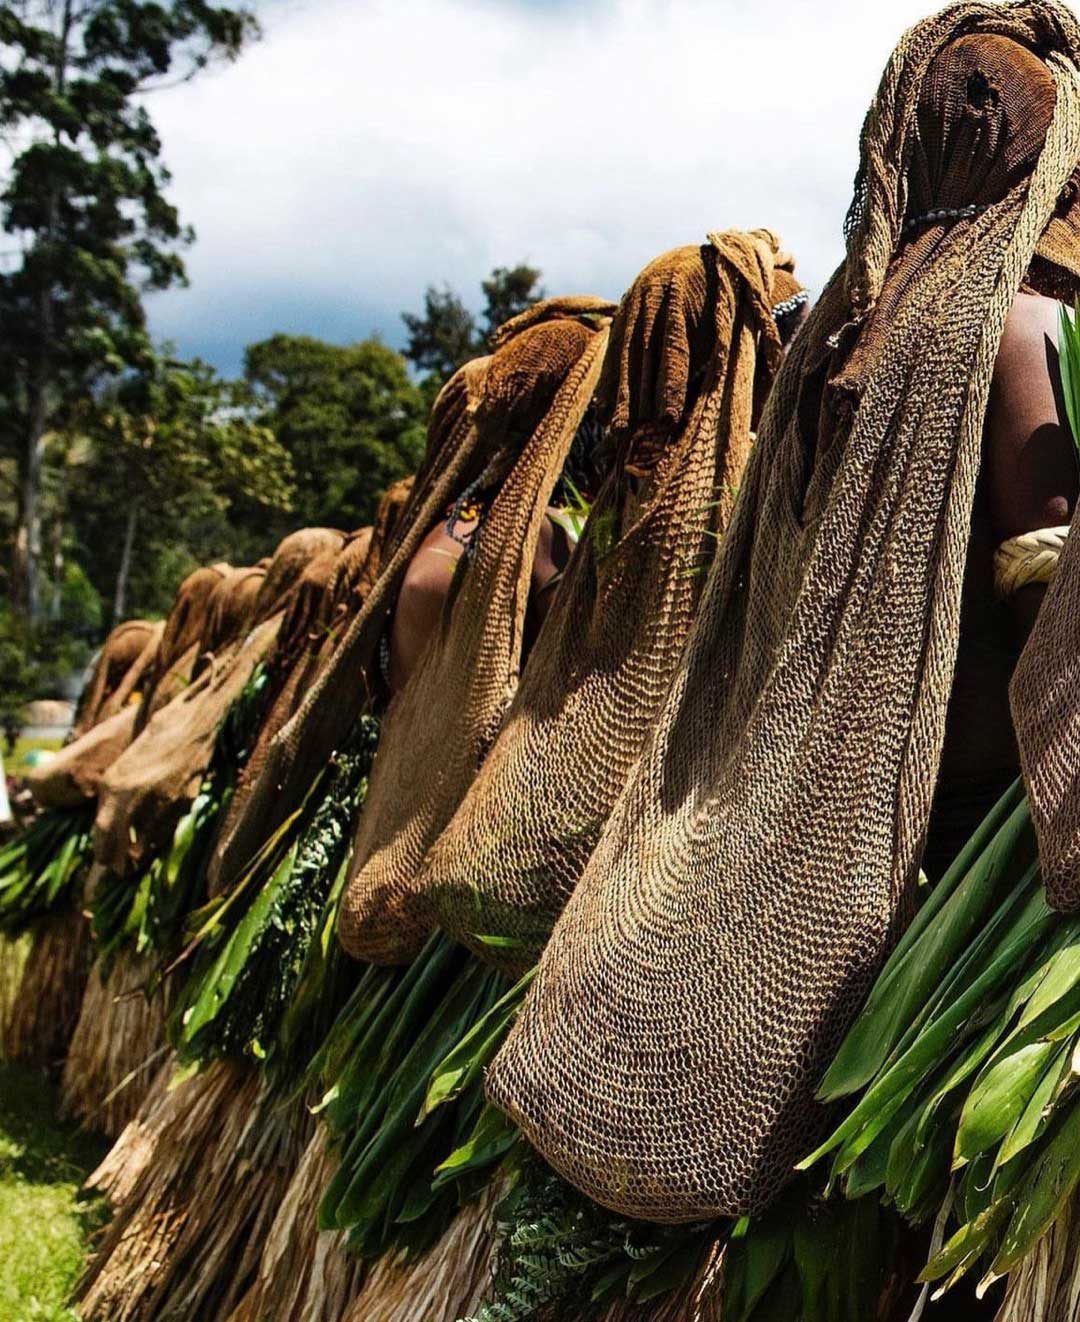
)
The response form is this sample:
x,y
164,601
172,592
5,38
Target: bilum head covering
x,y
347,684
75,774
437,732
146,790
310,629
764,855
185,627
124,659
677,393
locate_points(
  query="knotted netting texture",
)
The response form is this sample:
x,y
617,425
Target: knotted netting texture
x,y
437,731
147,789
677,395
347,684
764,854
231,611
163,671
120,657
186,625
327,596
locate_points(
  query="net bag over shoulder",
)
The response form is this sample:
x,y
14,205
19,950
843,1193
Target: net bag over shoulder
x,y
348,683
764,854
161,672
687,344
352,576
181,642
124,653
307,636
147,789
436,733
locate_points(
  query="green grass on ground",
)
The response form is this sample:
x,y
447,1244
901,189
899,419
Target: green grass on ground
x,y
44,1224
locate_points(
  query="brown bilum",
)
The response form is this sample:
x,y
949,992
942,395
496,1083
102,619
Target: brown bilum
x,y
764,854
74,776
437,731
143,793
693,334
348,683
305,651
147,789
125,657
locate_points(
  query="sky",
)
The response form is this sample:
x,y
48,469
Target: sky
x,y
365,149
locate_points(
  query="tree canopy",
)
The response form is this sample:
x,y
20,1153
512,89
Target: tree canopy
x,y
85,202
348,416
180,454
446,334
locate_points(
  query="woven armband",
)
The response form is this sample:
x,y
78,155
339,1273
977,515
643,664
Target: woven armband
x,y
1030,558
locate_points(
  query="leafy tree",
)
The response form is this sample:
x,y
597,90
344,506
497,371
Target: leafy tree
x,y
447,335
442,338
349,417
85,203
508,291
172,452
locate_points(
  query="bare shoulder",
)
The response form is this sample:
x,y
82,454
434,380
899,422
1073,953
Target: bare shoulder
x,y
431,569
1031,470
1029,341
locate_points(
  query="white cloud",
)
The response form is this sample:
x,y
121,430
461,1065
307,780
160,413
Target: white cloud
x,y
365,150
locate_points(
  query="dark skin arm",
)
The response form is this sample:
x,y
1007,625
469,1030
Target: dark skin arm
x,y
427,583
553,551
420,600
1031,471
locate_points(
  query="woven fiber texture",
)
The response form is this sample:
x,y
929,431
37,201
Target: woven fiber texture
x,y
147,789
185,625
436,733
678,389
348,682
161,672
1044,697
126,652
764,854
313,622
311,625
75,774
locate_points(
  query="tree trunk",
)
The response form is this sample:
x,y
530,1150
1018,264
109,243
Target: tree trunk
x,y
124,572
56,597
28,536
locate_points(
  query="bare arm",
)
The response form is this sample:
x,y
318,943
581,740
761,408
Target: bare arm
x,y
421,599
553,551
1031,470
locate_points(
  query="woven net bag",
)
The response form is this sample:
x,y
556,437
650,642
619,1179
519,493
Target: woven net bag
x,y
161,672
185,625
765,852
147,789
347,684
119,668
311,625
687,344
436,733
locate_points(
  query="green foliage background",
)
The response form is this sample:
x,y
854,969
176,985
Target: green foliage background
x,y
122,467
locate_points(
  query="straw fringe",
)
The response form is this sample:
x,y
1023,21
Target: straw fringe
x,y
1045,1287
128,1157
304,1275
40,1017
187,1239
700,1300
446,1283
108,1072
12,961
